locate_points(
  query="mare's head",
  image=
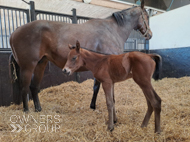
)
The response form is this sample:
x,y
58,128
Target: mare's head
x,y
143,23
138,17
74,60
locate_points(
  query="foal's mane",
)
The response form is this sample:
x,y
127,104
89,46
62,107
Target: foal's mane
x,y
119,16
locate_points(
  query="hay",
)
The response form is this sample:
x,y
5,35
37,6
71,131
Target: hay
x,y
69,102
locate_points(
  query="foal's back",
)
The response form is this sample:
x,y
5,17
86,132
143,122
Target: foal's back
x,y
132,64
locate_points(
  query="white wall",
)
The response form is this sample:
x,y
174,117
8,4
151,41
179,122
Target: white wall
x,y
171,29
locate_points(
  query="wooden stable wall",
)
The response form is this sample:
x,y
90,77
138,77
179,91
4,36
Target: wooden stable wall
x,y
6,96
52,76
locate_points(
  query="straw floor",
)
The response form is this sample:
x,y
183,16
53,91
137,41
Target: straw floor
x,y
66,115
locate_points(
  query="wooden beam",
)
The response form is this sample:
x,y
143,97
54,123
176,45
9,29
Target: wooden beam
x,y
108,4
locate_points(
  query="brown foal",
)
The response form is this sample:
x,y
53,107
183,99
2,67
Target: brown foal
x,y
109,69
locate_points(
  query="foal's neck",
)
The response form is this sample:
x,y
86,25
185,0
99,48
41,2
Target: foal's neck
x,y
91,59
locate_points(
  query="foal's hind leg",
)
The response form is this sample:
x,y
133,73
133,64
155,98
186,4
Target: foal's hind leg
x,y
148,114
155,102
35,83
96,89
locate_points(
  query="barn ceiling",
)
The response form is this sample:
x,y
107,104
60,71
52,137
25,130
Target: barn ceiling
x,y
64,6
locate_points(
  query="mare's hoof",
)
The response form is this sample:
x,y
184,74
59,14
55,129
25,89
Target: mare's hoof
x,y
26,110
38,109
93,107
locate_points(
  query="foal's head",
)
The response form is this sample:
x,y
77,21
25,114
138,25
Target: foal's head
x,y
74,60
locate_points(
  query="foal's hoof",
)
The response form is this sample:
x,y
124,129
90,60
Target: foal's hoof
x,y
143,126
111,128
158,131
93,107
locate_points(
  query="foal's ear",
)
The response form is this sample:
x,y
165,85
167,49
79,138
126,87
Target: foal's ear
x,y
142,4
77,46
70,46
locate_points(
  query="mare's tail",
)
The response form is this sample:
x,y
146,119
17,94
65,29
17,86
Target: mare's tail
x,y
158,59
14,76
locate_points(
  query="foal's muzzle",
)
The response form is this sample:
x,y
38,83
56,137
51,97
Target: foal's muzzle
x,y
65,71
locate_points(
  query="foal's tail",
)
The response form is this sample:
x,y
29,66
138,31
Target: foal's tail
x,y
158,59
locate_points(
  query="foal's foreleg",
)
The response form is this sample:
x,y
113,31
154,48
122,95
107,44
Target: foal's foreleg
x,y
114,111
96,90
36,80
110,104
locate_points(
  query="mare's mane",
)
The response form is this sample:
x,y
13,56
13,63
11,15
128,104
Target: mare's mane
x,y
73,47
119,16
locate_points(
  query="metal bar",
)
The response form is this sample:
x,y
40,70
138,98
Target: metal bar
x,y
23,17
12,8
5,28
28,16
74,18
39,16
32,10
53,13
12,19
51,17
16,18
1,30
9,27
20,18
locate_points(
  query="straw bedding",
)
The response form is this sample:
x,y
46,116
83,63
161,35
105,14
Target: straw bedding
x,y
67,106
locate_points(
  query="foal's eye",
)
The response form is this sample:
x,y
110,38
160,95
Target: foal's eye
x,y
74,58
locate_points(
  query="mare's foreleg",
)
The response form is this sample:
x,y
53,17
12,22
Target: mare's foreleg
x,y
95,93
108,87
36,80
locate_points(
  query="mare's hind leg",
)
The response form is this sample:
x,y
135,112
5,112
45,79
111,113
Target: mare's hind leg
x,y
25,79
95,89
35,83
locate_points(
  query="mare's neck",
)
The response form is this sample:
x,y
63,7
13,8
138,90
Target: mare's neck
x,y
130,24
91,59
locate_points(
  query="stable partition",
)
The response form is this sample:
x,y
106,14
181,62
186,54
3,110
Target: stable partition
x,y
171,39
